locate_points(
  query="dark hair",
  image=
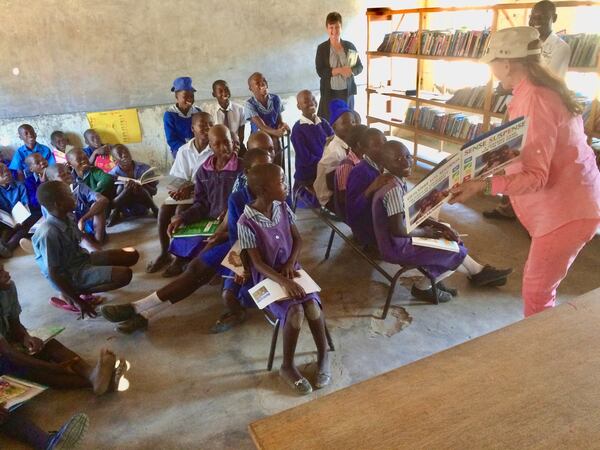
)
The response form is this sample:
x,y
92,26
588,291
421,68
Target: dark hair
x,y
47,193
333,17
217,82
546,5
198,115
356,135
254,75
252,155
370,132
25,125
55,134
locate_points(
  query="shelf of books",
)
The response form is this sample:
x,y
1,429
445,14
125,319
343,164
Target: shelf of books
x,y
426,86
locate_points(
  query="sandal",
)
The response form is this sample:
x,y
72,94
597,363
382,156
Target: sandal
x,y
159,263
323,379
300,386
227,321
61,304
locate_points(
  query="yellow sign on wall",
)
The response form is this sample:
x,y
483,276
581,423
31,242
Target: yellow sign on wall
x,y
116,127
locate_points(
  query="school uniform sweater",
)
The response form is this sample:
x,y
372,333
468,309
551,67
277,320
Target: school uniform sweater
x,y
178,127
308,139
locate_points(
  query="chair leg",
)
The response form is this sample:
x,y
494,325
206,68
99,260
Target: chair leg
x,y
273,345
331,236
329,340
390,294
435,290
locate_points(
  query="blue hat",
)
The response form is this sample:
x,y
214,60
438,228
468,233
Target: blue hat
x,y
182,84
337,107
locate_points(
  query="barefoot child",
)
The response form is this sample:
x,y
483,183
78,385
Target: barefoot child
x,y
60,146
177,119
30,145
36,167
267,231
93,177
131,199
226,112
71,269
190,156
98,152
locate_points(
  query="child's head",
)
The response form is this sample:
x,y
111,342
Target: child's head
x,y
220,91
258,85
342,118
36,163
396,158
184,92
59,172
59,140
5,175
255,157
78,160
56,197
201,123
307,103
92,138
261,140
267,181
5,282
354,140
371,143
27,135
220,142
122,156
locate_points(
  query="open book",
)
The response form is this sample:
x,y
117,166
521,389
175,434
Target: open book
x,y
204,227
233,260
149,176
478,158
440,244
14,391
19,214
268,291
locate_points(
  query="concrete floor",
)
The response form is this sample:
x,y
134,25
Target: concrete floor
x,y
190,389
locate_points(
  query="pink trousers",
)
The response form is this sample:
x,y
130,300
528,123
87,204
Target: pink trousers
x,y
550,257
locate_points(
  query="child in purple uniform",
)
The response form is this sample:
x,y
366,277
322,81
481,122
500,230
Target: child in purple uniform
x,y
394,242
342,172
267,231
131,199
308,138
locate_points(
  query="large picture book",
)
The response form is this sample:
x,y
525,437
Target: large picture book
x,y
478,158
268,291
15,391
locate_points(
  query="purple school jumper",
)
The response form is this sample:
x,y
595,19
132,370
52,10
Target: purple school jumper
x,y
358,207
273,239
399,250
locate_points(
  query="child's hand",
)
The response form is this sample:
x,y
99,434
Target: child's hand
x,y
449,233
81,224
33,344
382,180
87,310
131,185
285,126
288,270
104,150
293,288
241,280
432,232
176,223
280,132
218,237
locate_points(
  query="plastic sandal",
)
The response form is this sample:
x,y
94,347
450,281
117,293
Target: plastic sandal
x,y
61,304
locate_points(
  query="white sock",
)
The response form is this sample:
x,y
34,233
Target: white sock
x,y
147,303
154,310
470,267
423,284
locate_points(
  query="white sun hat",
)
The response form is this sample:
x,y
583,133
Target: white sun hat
x,y
511,43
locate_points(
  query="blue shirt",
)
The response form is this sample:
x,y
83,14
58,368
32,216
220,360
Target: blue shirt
x,y
178,127
18,159
32,182
269,114
84,198
88,150
56,245
11,194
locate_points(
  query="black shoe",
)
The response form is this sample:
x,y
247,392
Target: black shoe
x,y
117,313
494,214
490,275
442,287
136,323
427,294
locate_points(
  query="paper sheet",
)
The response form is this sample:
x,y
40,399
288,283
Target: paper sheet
x,y
116,127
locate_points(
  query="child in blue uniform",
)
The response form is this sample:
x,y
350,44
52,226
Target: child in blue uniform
x,y
98,152
177,119
30,145
36,167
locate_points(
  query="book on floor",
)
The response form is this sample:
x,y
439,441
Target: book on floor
x,y
204,227
233,260
14,391
19,214
478,158
149,176
268,291
439,244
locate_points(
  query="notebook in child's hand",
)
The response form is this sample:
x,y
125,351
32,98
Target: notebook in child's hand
x,y
233,260
204,227
268,291
149,176
19,214
15,391
440,244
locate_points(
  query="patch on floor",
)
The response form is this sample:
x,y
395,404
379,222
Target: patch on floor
x,y
397,320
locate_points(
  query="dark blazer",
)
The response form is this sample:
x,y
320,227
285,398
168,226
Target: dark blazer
x,y
324,71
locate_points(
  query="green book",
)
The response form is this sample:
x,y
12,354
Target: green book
x,y
205,227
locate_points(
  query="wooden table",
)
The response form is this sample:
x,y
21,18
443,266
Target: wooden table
x,y
534,384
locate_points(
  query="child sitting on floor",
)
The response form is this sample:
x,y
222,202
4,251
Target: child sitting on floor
x,y
214,181
71,269
30,145
93,177
97,152
267,231
226,112
11,193
343,121
177,119
309,135
131,199
90,207
36,167
60,146
190,156
342,171
263,110
394,242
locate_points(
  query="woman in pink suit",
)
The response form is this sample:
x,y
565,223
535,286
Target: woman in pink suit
x,y
555,187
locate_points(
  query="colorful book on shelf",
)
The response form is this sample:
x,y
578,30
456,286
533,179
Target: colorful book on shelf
x,y
478,158
584,49
15,391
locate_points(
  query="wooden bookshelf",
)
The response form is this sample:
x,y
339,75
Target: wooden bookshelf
x,y
498,13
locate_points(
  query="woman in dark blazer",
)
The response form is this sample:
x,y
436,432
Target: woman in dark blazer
x,y
337,62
